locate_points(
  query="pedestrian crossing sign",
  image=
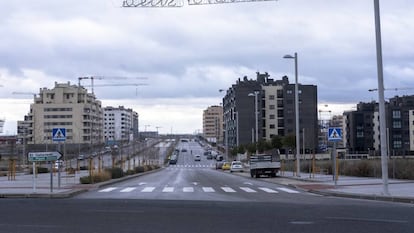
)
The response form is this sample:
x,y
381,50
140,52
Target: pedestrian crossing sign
x,y
334,134
58,134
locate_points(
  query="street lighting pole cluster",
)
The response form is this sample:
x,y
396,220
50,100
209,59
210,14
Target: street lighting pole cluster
x,y
295,57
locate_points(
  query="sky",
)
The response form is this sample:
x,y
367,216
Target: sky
x,y
178,58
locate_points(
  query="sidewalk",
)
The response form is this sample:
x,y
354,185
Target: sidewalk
x,y
26,186
355,187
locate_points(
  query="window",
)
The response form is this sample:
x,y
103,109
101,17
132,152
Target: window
x,y
271,116
396,114
272,126
272,106
271,97
396,124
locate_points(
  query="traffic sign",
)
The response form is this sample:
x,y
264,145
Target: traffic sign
x,y
334,134
44,156
58,134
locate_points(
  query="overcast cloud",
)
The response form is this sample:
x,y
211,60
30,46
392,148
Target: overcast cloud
x,y
189,53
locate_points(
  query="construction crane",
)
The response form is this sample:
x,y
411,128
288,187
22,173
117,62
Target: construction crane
x,y
107,77
180,3
24,93
393,89
120,85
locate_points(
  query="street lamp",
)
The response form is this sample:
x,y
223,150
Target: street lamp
x,y
256,113
295,57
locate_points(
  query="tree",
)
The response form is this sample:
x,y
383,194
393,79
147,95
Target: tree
x,y
277,142
289,141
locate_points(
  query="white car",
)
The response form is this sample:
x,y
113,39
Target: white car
x,y
197,158
236,166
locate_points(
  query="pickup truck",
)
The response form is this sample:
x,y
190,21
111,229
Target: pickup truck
x,y
263,164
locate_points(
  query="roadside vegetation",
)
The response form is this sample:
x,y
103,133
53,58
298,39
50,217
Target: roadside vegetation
x,y
115,173
401,168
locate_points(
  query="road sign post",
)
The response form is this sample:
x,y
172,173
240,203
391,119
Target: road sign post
x,y
334,135
43,157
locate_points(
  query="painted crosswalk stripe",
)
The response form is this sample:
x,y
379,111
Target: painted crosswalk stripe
x,y
148,189
168,190
268,190
248,190
208,189
287,190
127,190
188,189
228,190
107,190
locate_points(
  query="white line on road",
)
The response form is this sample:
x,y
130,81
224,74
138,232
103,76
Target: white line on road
x,y
248,183
287,190
148,189
127,190
228,190
107,190
248,190
168,190
188,189
208,189
142,183
268,190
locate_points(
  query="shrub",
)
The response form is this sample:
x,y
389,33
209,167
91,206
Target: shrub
x,y
40,170
116,172
139,169
130,172
96,178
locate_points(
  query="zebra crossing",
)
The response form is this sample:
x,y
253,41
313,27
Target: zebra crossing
x,y
179,166
190,189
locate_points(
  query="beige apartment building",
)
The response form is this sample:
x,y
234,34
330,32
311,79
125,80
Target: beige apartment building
x,y
65,106
213,124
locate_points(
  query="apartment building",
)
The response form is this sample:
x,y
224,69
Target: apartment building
x,y
275,111
120,124
213,124
65,106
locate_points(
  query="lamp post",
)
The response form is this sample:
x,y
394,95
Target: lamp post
x,y
255,114
295,57
383,139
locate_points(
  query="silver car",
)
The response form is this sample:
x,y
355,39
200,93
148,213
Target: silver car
x,y
236,166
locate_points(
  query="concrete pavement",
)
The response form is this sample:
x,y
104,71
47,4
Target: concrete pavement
x,y
353,187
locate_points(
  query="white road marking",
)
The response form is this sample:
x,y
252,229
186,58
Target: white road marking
x,y
127,190
107,190
188,189
248,190
248,183
195,183
287,190
148,189
168,190
208,189
268,190
228,190
142,183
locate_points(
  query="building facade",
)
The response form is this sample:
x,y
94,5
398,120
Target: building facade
x,y
65,106
213,124
120,124
275,111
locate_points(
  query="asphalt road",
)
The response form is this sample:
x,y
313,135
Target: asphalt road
x,y
194,197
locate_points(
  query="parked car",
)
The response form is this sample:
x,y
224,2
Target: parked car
x,y
236,166
226,166
219,157
219,165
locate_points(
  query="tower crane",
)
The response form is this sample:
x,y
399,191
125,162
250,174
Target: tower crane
x,y
106,77
393,89
24,93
